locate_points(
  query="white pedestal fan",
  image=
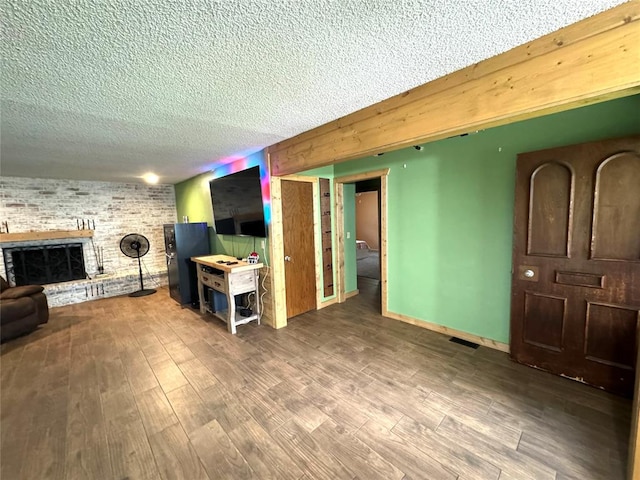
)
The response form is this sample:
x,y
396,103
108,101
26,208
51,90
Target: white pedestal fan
x,y
135,245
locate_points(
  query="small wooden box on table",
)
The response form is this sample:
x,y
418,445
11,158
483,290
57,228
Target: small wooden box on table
x,y
220,273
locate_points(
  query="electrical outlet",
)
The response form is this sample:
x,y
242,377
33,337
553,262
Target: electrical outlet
x,y
348,235
262,244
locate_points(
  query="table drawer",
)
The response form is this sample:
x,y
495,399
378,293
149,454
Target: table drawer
x,y
242,282
214,281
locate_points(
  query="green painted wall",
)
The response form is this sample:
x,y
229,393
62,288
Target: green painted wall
x,y
324,172
193,199
450,215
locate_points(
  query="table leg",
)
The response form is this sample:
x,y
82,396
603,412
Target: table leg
x,y
201,296
257,291
231,319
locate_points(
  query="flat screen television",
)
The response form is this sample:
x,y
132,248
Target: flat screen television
x,y
237,204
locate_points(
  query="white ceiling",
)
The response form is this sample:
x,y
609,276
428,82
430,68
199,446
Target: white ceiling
x,y
108,90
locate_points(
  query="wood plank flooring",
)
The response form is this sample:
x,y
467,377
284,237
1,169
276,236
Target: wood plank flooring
x,y
140,388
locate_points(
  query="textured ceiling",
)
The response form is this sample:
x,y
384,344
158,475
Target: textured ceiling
x,y
110,89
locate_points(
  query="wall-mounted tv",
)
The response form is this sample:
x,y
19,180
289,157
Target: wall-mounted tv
x,y
237,204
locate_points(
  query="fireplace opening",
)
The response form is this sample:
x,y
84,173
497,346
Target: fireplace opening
x,y
45,264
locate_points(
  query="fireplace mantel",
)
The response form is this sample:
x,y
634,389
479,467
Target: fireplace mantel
x,y
21,237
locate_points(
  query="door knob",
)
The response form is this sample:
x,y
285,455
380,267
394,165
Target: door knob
x,y
287,258
529,273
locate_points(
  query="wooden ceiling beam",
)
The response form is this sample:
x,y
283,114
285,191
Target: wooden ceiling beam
x,y
590,61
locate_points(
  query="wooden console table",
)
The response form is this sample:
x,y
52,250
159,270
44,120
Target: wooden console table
x,y
216,272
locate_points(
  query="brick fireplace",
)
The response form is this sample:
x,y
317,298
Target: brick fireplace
x,y
43,206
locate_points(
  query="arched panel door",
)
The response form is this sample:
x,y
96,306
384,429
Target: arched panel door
x,y
575,307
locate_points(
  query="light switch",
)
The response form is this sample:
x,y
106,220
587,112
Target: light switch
x,y
348,235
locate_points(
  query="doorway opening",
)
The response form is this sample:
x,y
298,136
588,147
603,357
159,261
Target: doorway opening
x,y
350,247
367,215
294,243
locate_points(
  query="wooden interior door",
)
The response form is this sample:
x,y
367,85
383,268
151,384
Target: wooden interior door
x,y
576,262
299,249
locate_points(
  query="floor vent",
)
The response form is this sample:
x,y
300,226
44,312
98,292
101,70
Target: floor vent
x,y
464,342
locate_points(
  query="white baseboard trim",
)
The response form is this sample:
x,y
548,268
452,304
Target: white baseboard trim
x,y
485,342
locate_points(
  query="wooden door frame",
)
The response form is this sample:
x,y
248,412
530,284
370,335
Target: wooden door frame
x,y
276,246
338,184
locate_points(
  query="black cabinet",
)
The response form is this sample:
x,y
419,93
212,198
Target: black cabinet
x,y
181,242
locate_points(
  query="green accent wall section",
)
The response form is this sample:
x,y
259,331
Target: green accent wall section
x,y
193,199
324,172
450,215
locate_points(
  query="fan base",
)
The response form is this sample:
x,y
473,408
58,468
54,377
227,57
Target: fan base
x,y
142,293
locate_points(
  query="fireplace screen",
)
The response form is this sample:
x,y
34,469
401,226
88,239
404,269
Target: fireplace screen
x,y
45,264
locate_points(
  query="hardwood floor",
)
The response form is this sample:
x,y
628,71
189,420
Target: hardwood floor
x,y
139,388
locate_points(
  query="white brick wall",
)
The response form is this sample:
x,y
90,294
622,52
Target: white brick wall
x,y
30,204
